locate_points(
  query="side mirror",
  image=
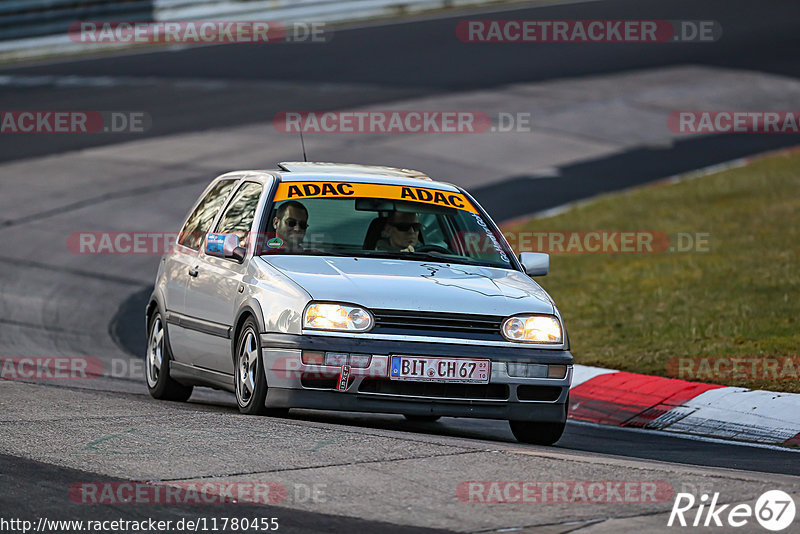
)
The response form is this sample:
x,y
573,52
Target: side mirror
x,y
535,263
224,246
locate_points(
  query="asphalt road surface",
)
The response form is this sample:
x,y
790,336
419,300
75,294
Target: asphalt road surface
x,y
385,62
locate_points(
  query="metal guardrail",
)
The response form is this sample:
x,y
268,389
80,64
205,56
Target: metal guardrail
x,y
285,10
32,18
20,19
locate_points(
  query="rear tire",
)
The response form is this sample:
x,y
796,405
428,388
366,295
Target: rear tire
x,y
422,418
159,383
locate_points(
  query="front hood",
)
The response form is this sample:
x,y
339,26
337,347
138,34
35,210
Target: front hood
x,y
414,285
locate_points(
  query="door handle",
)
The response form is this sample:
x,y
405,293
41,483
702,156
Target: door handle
x,y
193,272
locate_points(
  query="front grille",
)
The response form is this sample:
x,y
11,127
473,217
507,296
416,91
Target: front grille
x,y
538,393
436,389
486,327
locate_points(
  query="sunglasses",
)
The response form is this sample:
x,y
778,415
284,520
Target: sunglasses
x,y
405,227
291,223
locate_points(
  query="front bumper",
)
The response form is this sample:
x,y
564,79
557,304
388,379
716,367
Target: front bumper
x,y
293,384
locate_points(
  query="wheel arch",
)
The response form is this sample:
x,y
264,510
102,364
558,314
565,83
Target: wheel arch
x,y
251,308
156,303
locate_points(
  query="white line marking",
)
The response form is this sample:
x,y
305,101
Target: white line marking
x,y
14,80
584,373
688,436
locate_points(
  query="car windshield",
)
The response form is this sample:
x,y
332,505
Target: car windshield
x,y
379,220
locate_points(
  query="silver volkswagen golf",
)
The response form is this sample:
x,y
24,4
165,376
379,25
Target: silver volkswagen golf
x,y
357,288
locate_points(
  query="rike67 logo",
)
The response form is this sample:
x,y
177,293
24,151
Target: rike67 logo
x,y
774,510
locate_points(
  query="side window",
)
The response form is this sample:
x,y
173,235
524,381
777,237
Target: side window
x,y
238,217
199,222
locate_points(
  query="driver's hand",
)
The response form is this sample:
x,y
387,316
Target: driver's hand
x,y
409,248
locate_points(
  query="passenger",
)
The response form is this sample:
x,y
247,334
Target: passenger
x,y
291,222
401,232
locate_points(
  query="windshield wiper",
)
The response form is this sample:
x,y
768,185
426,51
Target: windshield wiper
x,y
305,252
390,254
437,256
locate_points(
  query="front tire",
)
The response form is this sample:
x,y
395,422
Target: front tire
x,y
539,433
249,374
159,383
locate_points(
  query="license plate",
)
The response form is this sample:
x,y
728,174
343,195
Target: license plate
x,y
440,369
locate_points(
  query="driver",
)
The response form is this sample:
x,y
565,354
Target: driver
x,y
401,232
291,222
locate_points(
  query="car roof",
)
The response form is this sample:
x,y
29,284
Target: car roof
x,y
312,171
349,168
301,171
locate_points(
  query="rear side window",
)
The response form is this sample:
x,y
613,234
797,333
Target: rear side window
x,y
199,222
238,218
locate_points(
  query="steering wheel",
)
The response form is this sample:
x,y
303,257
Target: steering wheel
x,y
433,248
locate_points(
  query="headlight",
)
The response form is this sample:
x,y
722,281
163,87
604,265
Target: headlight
x,y
321,316
533,329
